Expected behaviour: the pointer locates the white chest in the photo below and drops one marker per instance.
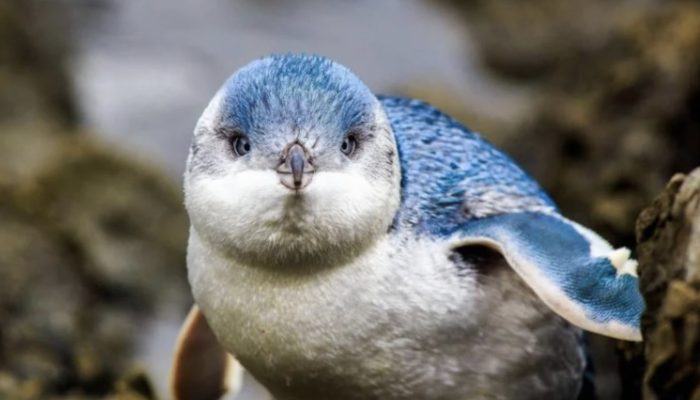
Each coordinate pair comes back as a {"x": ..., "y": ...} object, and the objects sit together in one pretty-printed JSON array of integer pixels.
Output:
[
  {"x": 391, "y": 324},
  {"x": 371, "y": 315}
]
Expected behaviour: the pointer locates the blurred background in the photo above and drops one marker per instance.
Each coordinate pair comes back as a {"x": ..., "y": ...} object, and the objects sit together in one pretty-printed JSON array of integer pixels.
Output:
[{"x": 599, "y": 100}]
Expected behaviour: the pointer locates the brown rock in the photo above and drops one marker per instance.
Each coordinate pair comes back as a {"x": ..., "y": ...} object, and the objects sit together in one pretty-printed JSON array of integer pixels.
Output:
[
  {"x": 667, "y": 364},
  {"x": 669, "y": 268}
]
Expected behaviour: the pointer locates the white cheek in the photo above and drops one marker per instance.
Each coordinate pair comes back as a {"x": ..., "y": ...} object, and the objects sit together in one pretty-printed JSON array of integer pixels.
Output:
[
  {"x": 234, "y": 204},
  {"x": 347, "y": 200},
  {"x": 251, "y": 211}
]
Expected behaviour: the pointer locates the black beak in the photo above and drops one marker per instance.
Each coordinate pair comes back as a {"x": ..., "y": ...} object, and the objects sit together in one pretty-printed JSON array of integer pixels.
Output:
[{"x": 295, "y": 169}]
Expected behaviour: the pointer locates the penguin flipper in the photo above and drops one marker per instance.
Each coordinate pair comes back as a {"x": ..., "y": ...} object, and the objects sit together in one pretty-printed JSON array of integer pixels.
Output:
[{"x": 202, "y": 369}]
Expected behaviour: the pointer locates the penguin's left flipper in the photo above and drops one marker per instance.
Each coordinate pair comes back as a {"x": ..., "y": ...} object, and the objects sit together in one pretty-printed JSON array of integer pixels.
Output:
[{"x": 202, "y": 369}]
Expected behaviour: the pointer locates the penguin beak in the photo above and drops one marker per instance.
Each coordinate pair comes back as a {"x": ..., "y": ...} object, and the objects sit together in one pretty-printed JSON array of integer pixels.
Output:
[{"x": 296, "y": 168}]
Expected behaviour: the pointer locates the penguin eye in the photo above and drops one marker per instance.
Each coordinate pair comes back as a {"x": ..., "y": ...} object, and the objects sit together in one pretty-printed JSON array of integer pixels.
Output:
[
  {"x": 240, "y": 145},
  {"x": 349, "y": 145}
]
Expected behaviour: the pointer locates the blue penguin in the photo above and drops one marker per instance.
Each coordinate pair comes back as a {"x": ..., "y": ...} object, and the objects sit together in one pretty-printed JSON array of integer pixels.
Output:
[{"x": 348, "y": 246}]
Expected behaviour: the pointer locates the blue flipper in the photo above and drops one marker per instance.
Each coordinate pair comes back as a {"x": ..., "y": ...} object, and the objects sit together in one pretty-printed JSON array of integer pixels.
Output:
[{"x": 574, "y": 271}]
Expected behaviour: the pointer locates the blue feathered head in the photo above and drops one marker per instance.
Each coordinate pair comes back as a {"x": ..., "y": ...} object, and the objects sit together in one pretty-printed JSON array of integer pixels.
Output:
[{"x": 299, "y": 93}]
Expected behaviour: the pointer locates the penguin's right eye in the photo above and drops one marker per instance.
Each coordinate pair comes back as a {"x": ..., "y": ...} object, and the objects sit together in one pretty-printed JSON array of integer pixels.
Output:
[{"x": 240, "y": 145}]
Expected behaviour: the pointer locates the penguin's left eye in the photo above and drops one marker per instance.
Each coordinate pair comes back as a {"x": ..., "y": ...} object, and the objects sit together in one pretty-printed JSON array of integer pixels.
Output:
[
  {"x": 349, "y": 145},
  {"x": 241, "y": 145}
]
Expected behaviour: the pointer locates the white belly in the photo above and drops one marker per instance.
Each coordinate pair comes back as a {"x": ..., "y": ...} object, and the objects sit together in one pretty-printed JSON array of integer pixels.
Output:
[{"x": 386, "y": 325}]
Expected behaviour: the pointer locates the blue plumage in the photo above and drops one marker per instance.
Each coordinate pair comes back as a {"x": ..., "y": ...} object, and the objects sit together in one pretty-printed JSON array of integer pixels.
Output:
[{"x": 451, "y": 175}]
